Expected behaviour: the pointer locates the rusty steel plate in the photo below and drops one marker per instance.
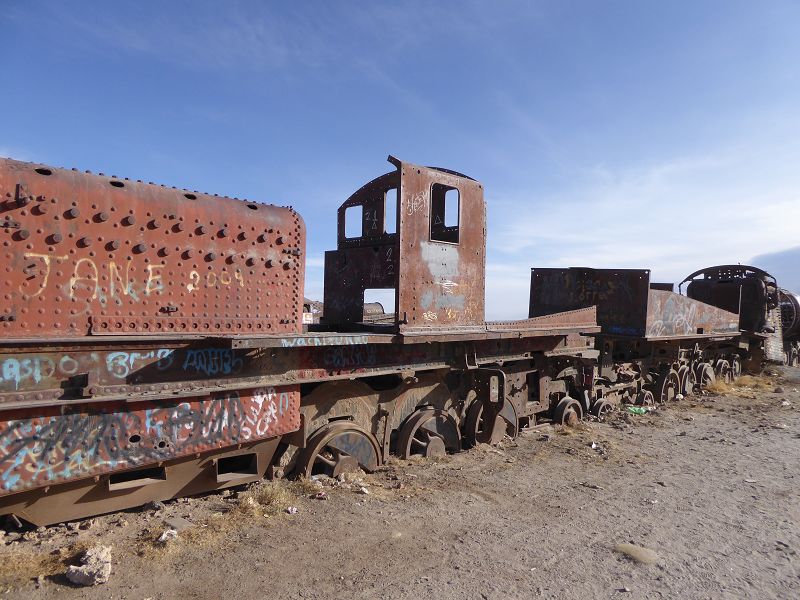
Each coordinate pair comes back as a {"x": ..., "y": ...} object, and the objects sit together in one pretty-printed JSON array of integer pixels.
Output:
[
  {"x": 56, "y": 445},
  {"x": 620, "y": 296},
  {"x": 93, "y": 254},
  {"x": 670, "y": 314},
  {"x": 582, "y": 318},
  {"x": 434, "y": 260}
]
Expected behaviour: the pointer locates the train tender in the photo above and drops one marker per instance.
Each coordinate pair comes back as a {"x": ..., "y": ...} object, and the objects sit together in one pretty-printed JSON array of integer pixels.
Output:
[{"x": 153, "y": 343}]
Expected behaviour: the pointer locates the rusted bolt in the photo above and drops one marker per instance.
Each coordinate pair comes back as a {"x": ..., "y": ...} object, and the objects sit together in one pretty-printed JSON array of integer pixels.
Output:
[
  {"x": 201, "y": 230},
  {"x": 93, "y": 391},
  {"x": 164, "y": 251},
  {"x": 269, "y": 262},
  {"x": 73, "y": 212},
  {"x": 211, "y": 256},
  {"x": 279, "y": 240},
  {"x": 139, "y": 248},
  {"x": 250, "y": 262},
  {"x": 85, "y": 242},
  {"x": 102, "y": 216},
  {"x": 24, "y": 234},
  {"x": 177, "y": 227},
  {"x": 155, "y": 224},
  {"x": 55, "y": 238},
  {"x": 289, "y": 264},
  {"x": 242, "y": 236},
  {"x": 223, "y": 232},
  {"x": 41, "y": 209},
  {"x": 231, "y": 259},
  {"x": 262, "y": 238},
  {"x": 187, "y": 254},
  {"x": 113, "y": 245},
  {"x": 23, "y": 201},
  {"x": 129, "y": 220}
]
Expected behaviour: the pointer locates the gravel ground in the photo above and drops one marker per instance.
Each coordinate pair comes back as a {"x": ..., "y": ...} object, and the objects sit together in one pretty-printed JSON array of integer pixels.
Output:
[{"x": 709, "y": 485}]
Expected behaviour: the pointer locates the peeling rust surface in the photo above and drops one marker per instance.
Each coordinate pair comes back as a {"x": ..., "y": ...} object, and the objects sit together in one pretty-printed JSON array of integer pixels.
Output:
[{"x": 88, "y": 254}]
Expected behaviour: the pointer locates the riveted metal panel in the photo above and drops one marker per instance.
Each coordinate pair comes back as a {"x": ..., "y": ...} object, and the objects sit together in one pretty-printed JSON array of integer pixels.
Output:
[{"x": 134, "y": 258}]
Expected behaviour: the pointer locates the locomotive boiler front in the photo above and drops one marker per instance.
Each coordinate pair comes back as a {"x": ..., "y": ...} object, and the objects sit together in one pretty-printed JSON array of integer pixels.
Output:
[{"x": 790, "y": 313}]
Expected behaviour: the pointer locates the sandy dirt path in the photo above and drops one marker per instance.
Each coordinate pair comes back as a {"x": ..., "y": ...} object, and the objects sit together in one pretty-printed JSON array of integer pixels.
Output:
[{"x": 710, "y": 484}]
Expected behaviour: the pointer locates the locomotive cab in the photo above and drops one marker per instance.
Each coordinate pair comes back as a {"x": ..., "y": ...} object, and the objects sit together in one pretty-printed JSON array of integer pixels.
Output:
[{"x": 420, "y": 232}]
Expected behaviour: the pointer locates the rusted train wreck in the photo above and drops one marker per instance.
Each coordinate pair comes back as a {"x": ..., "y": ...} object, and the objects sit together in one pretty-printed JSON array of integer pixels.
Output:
[{"x": 153, "y": 343}]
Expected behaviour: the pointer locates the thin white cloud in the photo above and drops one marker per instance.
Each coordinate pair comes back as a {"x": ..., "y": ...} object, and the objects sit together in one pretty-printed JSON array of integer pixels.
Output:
[{"x": 672, "y": 217}]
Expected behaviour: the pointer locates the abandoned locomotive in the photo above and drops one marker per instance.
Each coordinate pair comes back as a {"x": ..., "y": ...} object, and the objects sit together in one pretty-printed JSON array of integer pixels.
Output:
[{"x": 153, "y": 343}]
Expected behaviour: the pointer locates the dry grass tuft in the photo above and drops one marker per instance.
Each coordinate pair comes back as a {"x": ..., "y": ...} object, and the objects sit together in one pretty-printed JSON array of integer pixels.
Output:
[
  {"x": 304, "y": 487},
  {"x": 265, "y": 499},
  {"x": 718, "y": 387},
  {"x": 743, "y": 385},
  {"x": 20, "y": 566},
  {"x": 578, "y": 428},
  {"x": 756, "y": 382},
  {"x": 262, "y": 500}
]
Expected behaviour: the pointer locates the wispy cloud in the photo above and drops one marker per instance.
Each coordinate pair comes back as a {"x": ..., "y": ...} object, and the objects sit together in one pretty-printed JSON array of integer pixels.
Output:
[
  {"x": 241, "y": 37},
  {"x": 672, "y": 216}
]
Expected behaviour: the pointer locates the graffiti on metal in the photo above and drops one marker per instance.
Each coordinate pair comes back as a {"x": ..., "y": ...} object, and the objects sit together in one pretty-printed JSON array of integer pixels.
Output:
[
  {"x": 332, "y": 340},
  {"x": 38, "y": 450},
  {"x": 670, "y": 314}
]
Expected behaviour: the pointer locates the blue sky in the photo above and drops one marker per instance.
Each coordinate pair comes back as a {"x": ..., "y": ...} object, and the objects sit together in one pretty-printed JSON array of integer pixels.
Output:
[{"x": 629, "y": 134}]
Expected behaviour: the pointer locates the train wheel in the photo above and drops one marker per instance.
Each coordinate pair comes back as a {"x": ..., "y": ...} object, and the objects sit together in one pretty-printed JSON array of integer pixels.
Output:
[
  {"x": 429, "y": 432},
  {"x": 337, "y": 448},
  {"x": 601, "y": 408},
  {"x": 645, "y": 398},
  {"x": 736, "y": 366},
  {"x": 794, "y": 358},
  {"x": 489, "y": 427},
  {"x": 667, "y": 387},
  {"x": 567, "y": 412},
  {"x": 688, "y": 380},
  {"x": 723, "y": 371},
  {"x": 705, "y": 375}
]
